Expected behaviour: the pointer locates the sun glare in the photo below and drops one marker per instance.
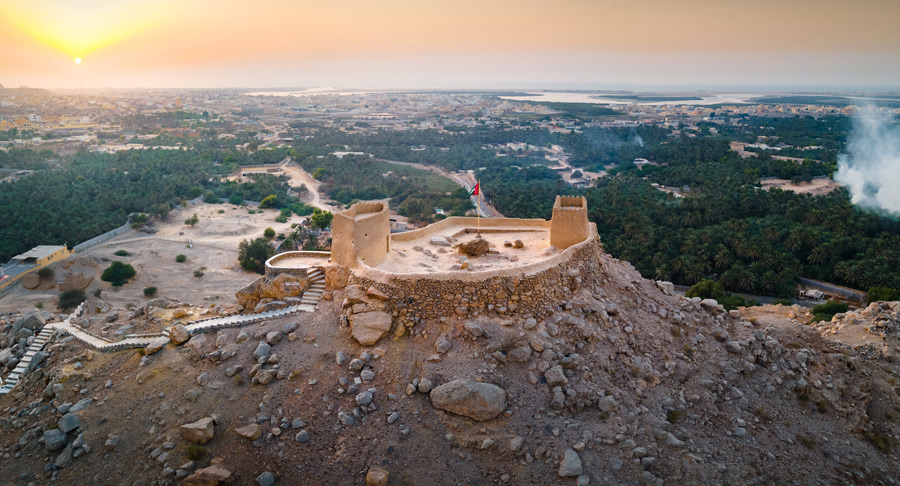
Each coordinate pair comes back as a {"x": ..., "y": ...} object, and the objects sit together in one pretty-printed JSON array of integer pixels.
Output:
[
  {"x": 76, "y": 30},
  {"x": 77, "y": 60}
]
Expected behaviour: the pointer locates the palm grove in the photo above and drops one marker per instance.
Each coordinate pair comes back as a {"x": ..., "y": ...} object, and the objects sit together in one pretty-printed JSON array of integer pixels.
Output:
[{"x": 725, "y": 227}]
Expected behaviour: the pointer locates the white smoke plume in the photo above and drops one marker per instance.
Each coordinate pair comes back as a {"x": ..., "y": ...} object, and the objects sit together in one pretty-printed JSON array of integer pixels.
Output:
[{"x": 871, "y": 165}]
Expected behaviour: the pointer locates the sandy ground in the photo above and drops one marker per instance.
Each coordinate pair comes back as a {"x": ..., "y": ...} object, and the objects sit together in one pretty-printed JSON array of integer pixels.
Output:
[
  {"x": 816, "y": 187},
  {"x": 790, "y": 318},
  {"x": 215, "y": 248},
  {"x": 536, "y": 244}
]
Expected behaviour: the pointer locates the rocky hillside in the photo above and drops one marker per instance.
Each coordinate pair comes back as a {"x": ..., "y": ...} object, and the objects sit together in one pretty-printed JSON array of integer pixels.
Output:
[{"x": 626, "y": 383}]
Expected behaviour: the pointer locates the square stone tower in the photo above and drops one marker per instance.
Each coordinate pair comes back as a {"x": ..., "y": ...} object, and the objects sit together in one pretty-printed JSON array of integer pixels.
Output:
[
  {"x": 569, "y": 224},
  {"x": 361, "y": 233}
]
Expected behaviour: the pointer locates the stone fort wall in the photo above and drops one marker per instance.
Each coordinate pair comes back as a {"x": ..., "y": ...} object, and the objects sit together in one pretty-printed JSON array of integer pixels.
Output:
[{"x": 533, "y": 289}]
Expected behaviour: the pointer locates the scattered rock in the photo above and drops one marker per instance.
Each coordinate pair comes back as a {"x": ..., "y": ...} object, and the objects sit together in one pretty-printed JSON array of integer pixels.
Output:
[
  {"x": 570, "y": 464},
  {"x": 54, "y": 439},
  {"x": 479, "y": 401},
  {"x": 265, "y": 479},
  {"x": 377, "y": 477},
  {"x": 555, "y": 376},
  {"x": 199, "y": 432},
  {"x": 263, "y": 350},
  {"x": 252, "y": 431},
  {"x": 68, "y": 423},
  {"x": 209, "y": 476},
  {"x": 369, "y": 327}
]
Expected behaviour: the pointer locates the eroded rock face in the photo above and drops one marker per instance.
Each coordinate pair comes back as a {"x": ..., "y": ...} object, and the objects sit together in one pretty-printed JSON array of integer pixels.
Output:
[
  {"x": 369, "y": 327},
  {"x": 199, "y": 432},
  {"x": 479, "y": 401}
]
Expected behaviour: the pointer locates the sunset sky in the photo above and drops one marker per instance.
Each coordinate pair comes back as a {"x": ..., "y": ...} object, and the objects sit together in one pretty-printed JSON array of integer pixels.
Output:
[{"x": 451, "y": 44}]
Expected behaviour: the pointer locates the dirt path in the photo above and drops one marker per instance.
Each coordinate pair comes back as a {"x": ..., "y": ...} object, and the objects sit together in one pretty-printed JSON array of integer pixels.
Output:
[
  {"x": 299, "y": 176},
  {"x": 465, "y": 181}
]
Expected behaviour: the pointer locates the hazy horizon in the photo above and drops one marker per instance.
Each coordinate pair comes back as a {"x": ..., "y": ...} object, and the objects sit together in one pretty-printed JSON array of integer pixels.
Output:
[{"x": 401, "y": 44}]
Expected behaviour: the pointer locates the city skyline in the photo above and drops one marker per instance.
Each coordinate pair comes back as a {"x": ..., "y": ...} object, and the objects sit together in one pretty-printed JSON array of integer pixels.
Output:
[{"x": 572, "y": 44}]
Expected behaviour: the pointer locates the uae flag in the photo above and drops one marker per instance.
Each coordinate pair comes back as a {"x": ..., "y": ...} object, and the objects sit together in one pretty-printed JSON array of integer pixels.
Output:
[{"x": 474, "y": 191}]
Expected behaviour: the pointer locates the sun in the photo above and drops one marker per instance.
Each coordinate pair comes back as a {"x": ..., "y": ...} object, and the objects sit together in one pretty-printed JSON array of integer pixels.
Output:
[{"x": 77, "y": 60}]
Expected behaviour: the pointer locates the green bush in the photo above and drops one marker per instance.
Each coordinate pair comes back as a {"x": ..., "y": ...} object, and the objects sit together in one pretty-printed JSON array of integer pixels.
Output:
[
  {"x": 321, "y": 219},
  {"x": 46, "y": 273},
  {"x": 882, "y": 294},
  {"x": 253, "y": 254},
  {"x": 281, "y": 219},
  {"x": 198, "y": 273},
  {"x": 236, "y": 199},
  {"x": 118, "y": 273},
  {"x": 149, "y": 291},
  {"x": 70, "y": 299},
  {"x": 121, "y": 253},
  {"x": 195, "y": 452},
  {"x": 302, "y": 209},
  {"x": 268, "y": 201},
  {"x": 269, "y": 233},
  {"x": 181, "y": 258},
  {"x": 710, "y": 289},
  {"x": 824, "y": 312}
]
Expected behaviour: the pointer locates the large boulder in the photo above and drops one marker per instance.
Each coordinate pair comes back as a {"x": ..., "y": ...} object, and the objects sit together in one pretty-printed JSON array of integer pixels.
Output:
[
  {"x": 34, "y": 321},
  {"x": 474, "y": 248},
  {"x": 283, "y": 285},
  {"x": 248, "y": 295},
  {"x": 336, "y": 277},
  {"x": 369, "y": 327},
  {"x": 479, "y": 401},
  {"x": 31, "y": 281},
  {"x": 199, "y": 432},
  {"x": 179, "y": 334},
  {"x": 75, "y": 281}
]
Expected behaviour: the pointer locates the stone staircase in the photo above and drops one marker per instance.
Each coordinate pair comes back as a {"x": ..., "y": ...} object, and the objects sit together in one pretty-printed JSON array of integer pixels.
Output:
[
  {"x": 308, "y": 303},
  {"x": 313, "y": 294},
  {"x": 38, "y": 344},
  {"x": 215, "y": 323}
]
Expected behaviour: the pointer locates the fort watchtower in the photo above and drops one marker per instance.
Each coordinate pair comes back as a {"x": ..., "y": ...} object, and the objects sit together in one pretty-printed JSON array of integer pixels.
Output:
[
  {"x": 361, "y": 234},
  {"x": 569, "y": 224}
]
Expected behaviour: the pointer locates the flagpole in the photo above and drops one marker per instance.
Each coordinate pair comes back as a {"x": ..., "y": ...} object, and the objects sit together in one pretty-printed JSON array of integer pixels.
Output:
[{"x": 478, "y": 206}]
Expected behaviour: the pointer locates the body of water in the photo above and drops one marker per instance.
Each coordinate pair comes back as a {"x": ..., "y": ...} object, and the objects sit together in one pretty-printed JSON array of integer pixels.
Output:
[{"x": 597, "y": 98}]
